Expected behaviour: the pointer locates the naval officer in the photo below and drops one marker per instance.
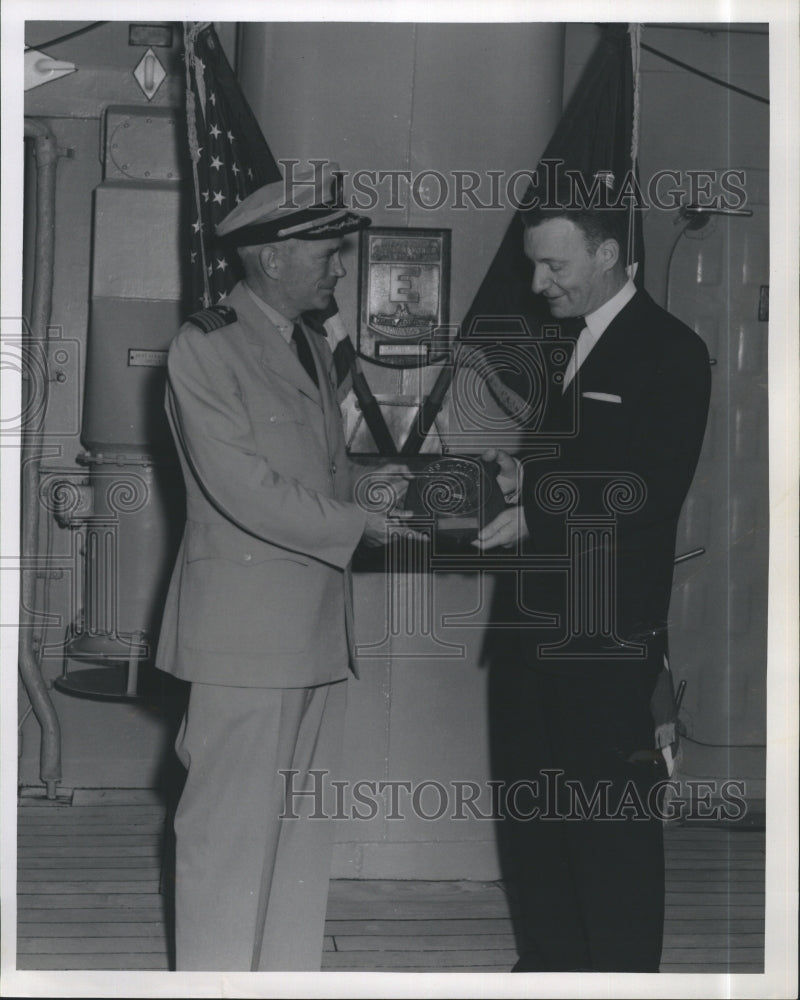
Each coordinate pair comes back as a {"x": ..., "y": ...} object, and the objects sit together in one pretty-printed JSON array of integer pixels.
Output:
[{"x": 259, "y": 614}]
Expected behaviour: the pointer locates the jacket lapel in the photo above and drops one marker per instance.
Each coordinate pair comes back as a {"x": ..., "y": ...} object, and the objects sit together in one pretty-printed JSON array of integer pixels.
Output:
[
  {"x": 621, "y": 343},
  {"x": 559, "y": 402},
  {"x": 271, "y": 350},
  {"x": 326, "y": 392}
]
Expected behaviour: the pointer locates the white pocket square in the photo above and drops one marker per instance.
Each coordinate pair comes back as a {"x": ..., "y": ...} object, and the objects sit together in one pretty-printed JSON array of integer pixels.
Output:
[{"x": 604, "y": 397}]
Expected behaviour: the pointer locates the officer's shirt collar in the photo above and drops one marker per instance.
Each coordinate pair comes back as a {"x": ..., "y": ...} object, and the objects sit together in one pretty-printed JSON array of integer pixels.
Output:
[{"x": 283, "y": 325}]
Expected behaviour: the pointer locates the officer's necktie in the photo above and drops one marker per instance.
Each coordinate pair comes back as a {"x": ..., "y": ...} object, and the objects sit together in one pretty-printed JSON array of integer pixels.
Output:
[
  {"x": 576, "y": 327},
  {"x": 304, "y": 353}
]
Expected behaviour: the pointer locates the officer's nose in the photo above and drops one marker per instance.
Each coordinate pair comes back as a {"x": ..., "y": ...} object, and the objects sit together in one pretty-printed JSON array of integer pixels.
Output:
[{"x": 338, "y": 267}]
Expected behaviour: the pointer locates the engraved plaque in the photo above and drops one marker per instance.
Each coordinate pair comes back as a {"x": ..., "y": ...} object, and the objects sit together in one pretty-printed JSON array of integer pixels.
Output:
[
  {"x": 459, "y": 493},
  {"x": 404, "y": 296}
]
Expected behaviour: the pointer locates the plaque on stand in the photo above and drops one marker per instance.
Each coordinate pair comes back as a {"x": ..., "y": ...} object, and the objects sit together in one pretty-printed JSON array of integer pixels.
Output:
[
  {"x": 404, "y": 296},
  {"x": 458, "y": 493}
]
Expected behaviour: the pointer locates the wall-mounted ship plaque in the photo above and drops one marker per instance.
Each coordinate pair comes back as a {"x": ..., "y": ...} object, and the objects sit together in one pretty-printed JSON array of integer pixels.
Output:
[{"x": 404, "y": 296}]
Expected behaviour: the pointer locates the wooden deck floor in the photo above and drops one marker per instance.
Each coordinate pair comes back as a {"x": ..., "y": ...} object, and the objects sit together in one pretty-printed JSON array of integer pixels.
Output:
[{"x": 88, "y": 898}]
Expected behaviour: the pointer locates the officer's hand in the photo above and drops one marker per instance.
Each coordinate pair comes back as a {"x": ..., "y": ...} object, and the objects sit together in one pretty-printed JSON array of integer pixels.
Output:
[
  {"x": 376, "y": 530},
  {"x": 399, "y": 475},
  {"x": 509, "y": 477},
  {"x": 505, "y": 530}
]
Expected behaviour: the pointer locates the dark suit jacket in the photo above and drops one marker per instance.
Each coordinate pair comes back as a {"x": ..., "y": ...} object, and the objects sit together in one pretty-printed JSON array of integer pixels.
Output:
[{"x": 639, "y": 402}]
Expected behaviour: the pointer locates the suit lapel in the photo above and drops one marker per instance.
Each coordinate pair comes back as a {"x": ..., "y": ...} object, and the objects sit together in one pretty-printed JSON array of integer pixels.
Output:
[
  {"x": 558, "y": 407},
  {"x": 559, "y": 403},
  {"x": 622, "y": 342},
  {"x": 615, "y": 355},
  {"x": 271, "y": 350},
  {"x": 325, "y": 391}
]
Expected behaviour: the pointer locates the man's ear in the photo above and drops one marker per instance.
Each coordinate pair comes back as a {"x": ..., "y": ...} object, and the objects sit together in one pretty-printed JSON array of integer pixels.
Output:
[
  {"x": 608, "y": 251},
  {"x": 269, "y": 259}
]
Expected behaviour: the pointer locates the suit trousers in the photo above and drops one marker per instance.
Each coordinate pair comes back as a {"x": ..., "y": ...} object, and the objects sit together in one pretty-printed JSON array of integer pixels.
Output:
[
  {"x": 582, "y": 828},
  {"x": 253, "y": 853}
]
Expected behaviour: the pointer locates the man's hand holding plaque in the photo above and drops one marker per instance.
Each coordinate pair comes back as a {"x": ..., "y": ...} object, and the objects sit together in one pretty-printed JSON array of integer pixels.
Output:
[
  {"x": 460, "y": 494},
  {"x": 509, "y": 528}
]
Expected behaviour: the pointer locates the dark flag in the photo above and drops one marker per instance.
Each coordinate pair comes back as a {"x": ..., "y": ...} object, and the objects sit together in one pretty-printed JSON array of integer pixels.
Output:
[{"x": 595, "y": 141}]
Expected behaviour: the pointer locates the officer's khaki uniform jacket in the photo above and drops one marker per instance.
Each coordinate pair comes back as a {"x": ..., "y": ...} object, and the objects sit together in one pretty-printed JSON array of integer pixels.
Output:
[{"x": 261, "y": 593}]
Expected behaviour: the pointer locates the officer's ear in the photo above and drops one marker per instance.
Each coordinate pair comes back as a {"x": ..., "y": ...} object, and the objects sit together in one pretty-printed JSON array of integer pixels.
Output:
[{"x": 269, "y": 260}]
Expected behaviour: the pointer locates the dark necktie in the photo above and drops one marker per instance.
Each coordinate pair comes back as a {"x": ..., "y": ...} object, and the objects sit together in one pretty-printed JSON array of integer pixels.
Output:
[
  {"x": 572, "y": 326},
  {"x": 304, "y": 353}
]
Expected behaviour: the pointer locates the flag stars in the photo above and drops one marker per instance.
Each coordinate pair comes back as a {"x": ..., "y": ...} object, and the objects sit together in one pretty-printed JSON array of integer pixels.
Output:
[
  {"x": 221, "y": 264},
  {"x": 206, "y": 195},
  {"x": 235, "y": 170},
  {"x": 250, "y": 173},
  {"x": 219, "y": 197},
  {"x": 216, "y": 163},
  {"x": 215, "y": 131},
  {"x": 230, "y": 136},
  {"x": 212, "y": 98},
  {"x": 197, "y": 225}
]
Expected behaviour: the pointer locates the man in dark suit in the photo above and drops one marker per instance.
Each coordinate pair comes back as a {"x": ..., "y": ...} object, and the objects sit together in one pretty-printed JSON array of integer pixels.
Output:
[
  {"x": 259, "y": 614},
  {"x": 627, "y": 419}
]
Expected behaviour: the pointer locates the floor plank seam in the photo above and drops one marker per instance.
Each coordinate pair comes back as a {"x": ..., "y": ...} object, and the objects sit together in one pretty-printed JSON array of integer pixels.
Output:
[{"x": 89, "y": 876}]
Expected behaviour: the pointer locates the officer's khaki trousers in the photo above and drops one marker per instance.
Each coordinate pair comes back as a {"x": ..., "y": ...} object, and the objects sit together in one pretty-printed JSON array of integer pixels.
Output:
[{"x": 251, "y": 887}]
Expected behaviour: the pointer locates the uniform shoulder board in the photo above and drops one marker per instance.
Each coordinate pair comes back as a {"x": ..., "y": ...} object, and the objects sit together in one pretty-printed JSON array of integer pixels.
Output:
[{"x": 213, "y": 318}]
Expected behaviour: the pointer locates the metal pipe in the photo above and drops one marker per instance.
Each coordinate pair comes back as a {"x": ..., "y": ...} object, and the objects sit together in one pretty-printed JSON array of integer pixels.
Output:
[{"x": 30, "y": 669}]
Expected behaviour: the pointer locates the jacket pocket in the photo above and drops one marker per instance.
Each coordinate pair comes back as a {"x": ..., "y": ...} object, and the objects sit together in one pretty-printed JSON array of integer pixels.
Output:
[
  {"x": 226, "y": 541},
  {"x": 248, "y": 609}
]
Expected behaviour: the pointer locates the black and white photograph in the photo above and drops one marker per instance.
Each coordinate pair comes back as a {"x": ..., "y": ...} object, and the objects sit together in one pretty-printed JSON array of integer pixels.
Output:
[{"x": 399, "y": 499}]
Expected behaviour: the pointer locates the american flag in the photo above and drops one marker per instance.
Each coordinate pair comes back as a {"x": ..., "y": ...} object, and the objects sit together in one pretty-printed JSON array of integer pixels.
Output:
[{"x": 229, "y": 160}]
